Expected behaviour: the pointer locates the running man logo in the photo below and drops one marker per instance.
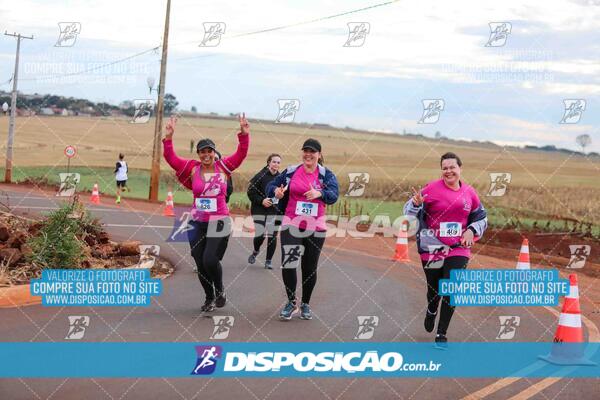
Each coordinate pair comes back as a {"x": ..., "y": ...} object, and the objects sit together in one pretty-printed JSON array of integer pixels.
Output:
[
  {"x": 508, "y": 326},
  {"x": 579, "y": 255},
  {"x": 143, "y": 111},
  {"x": 437, "y": 254},
  {"x": 499, "y": 182},
  {"x": 574, "y": 109},
  {"x": 77, "y": 326},
  {"x": 212, "y": 183},
  {"x": 148, "y": 254},
  {"x": 358, "y": 183},
  {"x": 499, "y": 32},
  {"x": 357, "y": 33},
  {"x": 181, "y": 226},
  {"x": 223, "y": 325},
  {"x": 291, "y": 255},
  {"x": 68, "y": 184},
  {"x": 68, "y": 34},
  {"x": 432, "y": 109},
  {"x": 287, "y": 110},
  {"x": 366, "y": 326},
  {"x": 212, "y": 34},
  {"x": 207, "y": 359}
]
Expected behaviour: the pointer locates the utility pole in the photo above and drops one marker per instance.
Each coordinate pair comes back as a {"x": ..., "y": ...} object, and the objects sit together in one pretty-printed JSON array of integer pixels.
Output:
[
  {"x": 156, "y": 150},
  {"x": 13, "y": 109}
]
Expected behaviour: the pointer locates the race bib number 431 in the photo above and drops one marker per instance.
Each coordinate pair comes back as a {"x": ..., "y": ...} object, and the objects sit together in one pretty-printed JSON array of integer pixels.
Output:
[{"x": 307, "y": 208}]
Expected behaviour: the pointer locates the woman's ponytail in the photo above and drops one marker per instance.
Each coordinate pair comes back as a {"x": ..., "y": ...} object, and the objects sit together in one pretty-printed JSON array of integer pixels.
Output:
[{"x": 321, "y": 159}]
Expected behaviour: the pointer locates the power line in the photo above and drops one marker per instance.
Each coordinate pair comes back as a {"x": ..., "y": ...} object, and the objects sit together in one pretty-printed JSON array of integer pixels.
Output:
[
  {"x": 6, "y": 82},
  {"x": 277, "y": 28}
]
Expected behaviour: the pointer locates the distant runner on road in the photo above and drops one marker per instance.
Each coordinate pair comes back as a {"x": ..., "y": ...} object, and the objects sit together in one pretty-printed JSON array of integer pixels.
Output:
[
  {"x": 121, "y": 176},
  {"x": 451, "y": 218}
]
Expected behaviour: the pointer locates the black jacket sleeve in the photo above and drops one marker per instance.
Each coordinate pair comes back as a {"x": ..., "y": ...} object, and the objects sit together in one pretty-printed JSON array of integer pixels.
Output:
[{"x": 254, "y": 192}]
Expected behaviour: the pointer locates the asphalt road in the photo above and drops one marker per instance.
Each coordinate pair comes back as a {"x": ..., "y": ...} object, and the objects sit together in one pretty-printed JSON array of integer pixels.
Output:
[{"x": 350, "y": 284}]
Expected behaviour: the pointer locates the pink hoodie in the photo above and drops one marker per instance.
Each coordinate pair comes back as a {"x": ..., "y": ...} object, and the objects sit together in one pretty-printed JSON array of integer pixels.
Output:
[{"x": 215, "y": 187}]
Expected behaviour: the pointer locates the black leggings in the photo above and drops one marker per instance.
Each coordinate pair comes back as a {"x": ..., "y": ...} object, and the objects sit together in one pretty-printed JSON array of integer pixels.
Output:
[
  {"x": 208, "y": 250},
  {"x": 313, "y": 243},
  {"x": 433, "y": 276},
  {"x": 265, "y": 227}
]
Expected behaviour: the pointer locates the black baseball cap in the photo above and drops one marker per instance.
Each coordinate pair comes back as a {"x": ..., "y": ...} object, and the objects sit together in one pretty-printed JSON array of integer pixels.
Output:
[
  {"x": 312, "y": 144},
  {"x": 204, "y": 143}
]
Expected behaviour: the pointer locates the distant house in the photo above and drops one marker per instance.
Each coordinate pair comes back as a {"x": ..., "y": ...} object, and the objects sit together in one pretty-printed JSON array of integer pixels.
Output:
[
  {"x": 46, "y": 111},
  {"x": 25, "y": 112}
]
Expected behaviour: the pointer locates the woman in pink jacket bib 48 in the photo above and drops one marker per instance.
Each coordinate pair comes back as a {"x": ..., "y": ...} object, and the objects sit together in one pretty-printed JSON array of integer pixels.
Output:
[
  {"x": 451, "y": 218},
  {"x": 211, "y": 224}
]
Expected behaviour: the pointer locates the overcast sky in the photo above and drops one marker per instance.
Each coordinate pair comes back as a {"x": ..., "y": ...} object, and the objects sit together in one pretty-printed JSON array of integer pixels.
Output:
[{"x": 414, "y": 50}]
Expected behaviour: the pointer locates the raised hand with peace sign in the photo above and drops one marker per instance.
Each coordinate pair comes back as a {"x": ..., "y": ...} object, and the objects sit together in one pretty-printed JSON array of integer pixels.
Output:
[
  {"x": 418, "y": 198},
  {"x": 244, "y": 125},
  {"x": 170, "y": 128}
]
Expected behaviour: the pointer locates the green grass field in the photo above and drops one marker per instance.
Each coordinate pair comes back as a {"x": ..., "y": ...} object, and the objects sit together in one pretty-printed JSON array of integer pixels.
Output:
[
  {"x": 545, "y": 186},
  {"x": 139, "y": 180}
]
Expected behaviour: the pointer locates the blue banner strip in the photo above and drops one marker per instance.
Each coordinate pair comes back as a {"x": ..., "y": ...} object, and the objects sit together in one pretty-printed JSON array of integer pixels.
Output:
[{"x": 327, "y": 360}]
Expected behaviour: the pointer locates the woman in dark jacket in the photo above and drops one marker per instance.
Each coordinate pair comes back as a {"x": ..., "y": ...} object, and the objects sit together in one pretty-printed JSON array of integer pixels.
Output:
[{"x": 264, "y": 209}]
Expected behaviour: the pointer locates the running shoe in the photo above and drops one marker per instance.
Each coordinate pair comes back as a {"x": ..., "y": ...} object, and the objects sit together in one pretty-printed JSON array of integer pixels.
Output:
[
  {"x": 268, "y": 264},
  {"x": 429, "y": 321},
  {"x": 441, "y": 341},
  {"x": 221, "y": 300},
  {"x": 288, "y": 311},
  {"x": 252, "y": 258},
  {"x": 209, "y": 305},
  {"x": 305, "y": 312},
  {"x": 118, "y": 201}
]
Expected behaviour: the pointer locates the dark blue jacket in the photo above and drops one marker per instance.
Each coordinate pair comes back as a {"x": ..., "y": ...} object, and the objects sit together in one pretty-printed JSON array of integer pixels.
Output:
[{"x": 328, "y": 181}]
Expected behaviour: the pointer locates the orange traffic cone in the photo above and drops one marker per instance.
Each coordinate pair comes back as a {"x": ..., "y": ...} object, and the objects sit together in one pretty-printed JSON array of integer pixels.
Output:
[
  {"x": 95, "y": 195},
  {"x": 401, "y": 253},
  {"x": 168, "y": 211},
  {"x": 523, "y": 262},
  {"x": 568, "y": 344}
]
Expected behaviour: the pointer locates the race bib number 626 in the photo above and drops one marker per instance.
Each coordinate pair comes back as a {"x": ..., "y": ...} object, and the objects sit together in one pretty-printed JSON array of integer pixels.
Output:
[{"x": 206, "y": 204}]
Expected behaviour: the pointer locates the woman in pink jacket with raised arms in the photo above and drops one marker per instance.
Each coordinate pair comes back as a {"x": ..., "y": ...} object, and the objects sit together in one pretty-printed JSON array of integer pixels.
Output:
[{"x": 210, "y": 223}]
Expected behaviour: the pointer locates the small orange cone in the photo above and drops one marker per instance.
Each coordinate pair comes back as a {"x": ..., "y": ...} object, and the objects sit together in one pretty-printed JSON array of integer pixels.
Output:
[
  {"x": 168, "y": 211},
  {"x": 568, "y": 347},
  {"x": 95, "y": 195},
  {"x": 523, "y": 262},
  {"x": 401, "y": 253}
]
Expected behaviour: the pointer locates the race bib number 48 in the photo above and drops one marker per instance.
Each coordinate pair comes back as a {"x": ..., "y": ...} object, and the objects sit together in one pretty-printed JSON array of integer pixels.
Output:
[
  {"x": 307, "y": 208},
  {"x": 206, "y": 204},
  {"x": 450, "y": 229}
]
